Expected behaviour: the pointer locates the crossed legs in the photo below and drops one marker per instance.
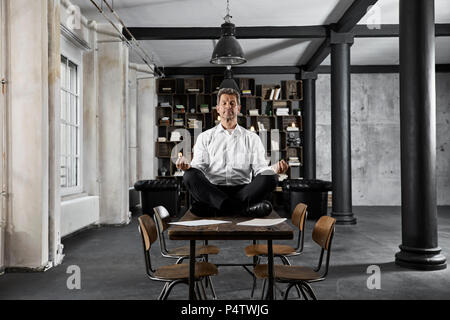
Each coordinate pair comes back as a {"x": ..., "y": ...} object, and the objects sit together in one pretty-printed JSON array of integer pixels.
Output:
[{"x": 215, "y": 200}]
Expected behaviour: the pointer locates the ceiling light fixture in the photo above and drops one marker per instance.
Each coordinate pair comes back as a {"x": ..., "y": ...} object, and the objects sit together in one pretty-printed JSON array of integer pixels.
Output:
[
  {"x": 228, "y": 51},
  {"x": 228, "y": 81}
]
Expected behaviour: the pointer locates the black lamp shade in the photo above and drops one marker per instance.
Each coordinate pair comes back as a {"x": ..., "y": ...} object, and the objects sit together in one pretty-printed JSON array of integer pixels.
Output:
[{"x": 228, "y": 51}]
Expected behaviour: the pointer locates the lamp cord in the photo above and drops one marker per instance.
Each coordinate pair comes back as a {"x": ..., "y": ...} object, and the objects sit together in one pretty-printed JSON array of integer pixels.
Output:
[{"x": 228, "y": 16}]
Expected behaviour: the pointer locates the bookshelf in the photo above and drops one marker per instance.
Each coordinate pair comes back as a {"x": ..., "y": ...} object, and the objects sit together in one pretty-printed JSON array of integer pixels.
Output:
[{"x": 190, "y": 102}]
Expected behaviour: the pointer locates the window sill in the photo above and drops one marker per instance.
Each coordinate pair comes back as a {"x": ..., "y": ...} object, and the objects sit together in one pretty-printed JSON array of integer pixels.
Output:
[{"x": 69, "y": 197}]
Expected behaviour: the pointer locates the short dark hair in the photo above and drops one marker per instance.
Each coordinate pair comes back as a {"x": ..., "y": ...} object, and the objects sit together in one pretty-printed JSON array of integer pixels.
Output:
[{"x": 229, "y": 91}]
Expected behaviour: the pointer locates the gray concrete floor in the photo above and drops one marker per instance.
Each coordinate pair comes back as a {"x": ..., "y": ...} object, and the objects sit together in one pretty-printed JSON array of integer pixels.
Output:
[{"x": 112, "y": 265}]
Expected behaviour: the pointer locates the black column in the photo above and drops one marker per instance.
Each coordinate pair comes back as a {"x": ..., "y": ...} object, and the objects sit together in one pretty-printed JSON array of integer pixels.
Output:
[
  {"x": 309, "y": 124},
  {"x": 341, "y": 168},
  {"x": 419, "y": 248}
]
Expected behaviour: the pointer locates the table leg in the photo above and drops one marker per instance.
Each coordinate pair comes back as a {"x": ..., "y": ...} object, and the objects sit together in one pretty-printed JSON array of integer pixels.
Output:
[
  {"x": 270, "y": 267},
  {"x": 192, "y": 270}
]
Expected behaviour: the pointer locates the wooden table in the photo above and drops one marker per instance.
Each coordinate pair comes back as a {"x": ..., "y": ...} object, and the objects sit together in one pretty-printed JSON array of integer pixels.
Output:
[{"x": 230, "y": 231}]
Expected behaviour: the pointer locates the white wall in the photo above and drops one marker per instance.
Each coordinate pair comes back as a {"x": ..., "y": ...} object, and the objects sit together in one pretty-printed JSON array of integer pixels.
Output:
[{"x": 27, "y": 219}]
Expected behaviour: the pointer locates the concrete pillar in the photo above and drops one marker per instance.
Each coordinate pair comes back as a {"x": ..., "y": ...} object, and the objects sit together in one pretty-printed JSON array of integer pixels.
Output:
[
  {"x": 132, "y": 124},
  {"x": 419, "y": 248},
  {"x": 27, "y": 234},
  {"x": 3, "y": 134},
  {"x": 147, "y": 131},
  {"x": 54, "y": 106},
  {"x": 90, "y": 117},
  {"x": 341, "y": 128},
  {"x": 113, "y": 148},
  {"x": 309, "y": 124}
]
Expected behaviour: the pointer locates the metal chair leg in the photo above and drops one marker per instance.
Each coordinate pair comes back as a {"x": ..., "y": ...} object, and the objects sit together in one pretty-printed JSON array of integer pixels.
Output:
[
  {"x": 205, "y": 297},
  {"x": 256, "y": 261},
  {"x": 263, "y": 289},
  {"x": 163, "y": 291},
  {"x": 197, "y": 291},
  {"x": 309, "y": 290},
  {"x": 213, "y": 291},
  {"x": 170, "y": 287},
  {"x": 286, "y": 294}
]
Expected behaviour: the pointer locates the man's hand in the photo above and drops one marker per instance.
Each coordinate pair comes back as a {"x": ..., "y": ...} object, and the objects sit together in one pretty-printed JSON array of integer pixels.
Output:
[
  {"x": 182, "y": 164},
  {"x": 280, "y": 167}
]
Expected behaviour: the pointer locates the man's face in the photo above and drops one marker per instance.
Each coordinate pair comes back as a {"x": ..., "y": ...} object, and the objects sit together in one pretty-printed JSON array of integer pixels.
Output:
[{"x": 228, "y": 107}]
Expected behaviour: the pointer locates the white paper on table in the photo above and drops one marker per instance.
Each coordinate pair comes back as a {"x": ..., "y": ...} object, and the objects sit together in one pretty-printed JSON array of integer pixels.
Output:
[
  {"x": 261, "y": 222},
  {"x": 202, "y": 222}
]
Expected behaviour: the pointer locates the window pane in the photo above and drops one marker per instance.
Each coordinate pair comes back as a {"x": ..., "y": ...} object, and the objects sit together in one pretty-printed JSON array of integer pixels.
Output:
[
  {"x": 73, "y": 78},
  {"x": 63, "y": 105},
  {"x": 63, "y": 72},
  {"x": 73, "y": 109},
  {"x": 70, "y": 122},
  {"x": 63, "y": 140}
]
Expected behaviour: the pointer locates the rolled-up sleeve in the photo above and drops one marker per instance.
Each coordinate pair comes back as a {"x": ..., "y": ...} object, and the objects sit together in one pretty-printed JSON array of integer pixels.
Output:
[
  {"x": 259, "y": 162},
  {"x": 201, "y": 156}
]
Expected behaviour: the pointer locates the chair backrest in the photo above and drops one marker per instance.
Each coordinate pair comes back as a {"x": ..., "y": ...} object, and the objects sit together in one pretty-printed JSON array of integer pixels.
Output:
[
  {"x": 162, "y": 217},
  {"x": 323, "y": 235},
  {"x": 299, "y": 216},
  {"x": 323, "y": 231},
  {"x": 148, "y": 231}
]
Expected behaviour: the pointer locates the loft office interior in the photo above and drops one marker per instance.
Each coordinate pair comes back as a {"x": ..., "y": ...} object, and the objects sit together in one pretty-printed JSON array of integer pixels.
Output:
[{"x": 92, "y": 90}]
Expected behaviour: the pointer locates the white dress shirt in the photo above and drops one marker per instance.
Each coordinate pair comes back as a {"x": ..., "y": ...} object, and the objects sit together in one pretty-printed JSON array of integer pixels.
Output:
[{"x": 230, "y": 158}]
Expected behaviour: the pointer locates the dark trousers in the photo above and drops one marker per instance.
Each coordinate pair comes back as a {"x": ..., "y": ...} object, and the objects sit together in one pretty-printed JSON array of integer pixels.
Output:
[{"x": 215, "y": 200}]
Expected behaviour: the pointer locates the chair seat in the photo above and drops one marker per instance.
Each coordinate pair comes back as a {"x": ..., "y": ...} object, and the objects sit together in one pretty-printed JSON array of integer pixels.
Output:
[
  {"x": 261, "y": 250},
  {"x": 199, "y": 250},
  {"x": 284, "y": 272},
  {"x": 181, "y": 271}
]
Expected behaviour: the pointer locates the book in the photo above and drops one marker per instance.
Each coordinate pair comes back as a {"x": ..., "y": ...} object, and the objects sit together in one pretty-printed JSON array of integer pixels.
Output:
[
  {"x": 272, "y": 93},
  {"x": 193, "y": 90},
  {"x": 246, "y": 92},
  {"x": 164, "y": 104},
  {"x": 254, "y": 112},
  {"x": 175, "y": 136},
  {"x": 282, "y": 111},
  {"x": 276, "y": 94},
  {"x": 280, "y": 104},
  {"x": 204, "y": 108}
]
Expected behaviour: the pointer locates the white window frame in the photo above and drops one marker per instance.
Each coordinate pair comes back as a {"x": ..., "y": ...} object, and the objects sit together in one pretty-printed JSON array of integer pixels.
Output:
[{"x": 74, "y": 55}]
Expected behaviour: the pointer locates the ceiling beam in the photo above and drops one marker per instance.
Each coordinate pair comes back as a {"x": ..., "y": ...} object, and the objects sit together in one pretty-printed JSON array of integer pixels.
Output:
[
  {"x": 184, "y": 71},
  {"x": 298, "y": 32},
  {"x": 354, "y": 13},
  {"x": 294, "y": 32},
  {"x": 347, "y": 22},
  {"x": 392, "y": 31}
]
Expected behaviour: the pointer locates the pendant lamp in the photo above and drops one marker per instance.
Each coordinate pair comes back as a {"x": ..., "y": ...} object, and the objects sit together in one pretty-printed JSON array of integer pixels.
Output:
[{"x": 228, "y": 51}]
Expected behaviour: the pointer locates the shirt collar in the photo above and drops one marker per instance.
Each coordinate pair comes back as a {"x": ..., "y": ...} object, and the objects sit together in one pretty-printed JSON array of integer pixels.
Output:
[{"x": 237, "y": 130}]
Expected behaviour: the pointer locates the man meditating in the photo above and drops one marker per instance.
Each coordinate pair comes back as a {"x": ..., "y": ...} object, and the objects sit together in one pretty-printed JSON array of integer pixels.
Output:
[{"x": 229, "y": 174}]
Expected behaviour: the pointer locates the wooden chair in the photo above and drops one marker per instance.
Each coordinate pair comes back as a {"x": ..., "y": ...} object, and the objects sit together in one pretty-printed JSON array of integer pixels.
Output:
[
  {"x": 302, "y": 276},
  {"x": 282, "y": 251},
  {"x": 162, "y": 218},
  {"x": 172, "y": 274}
]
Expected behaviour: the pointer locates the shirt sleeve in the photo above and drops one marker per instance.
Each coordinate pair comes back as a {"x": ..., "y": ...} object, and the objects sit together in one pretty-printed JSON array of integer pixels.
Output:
[
  {"x": 201, "y": 156},
  {"x": 259, "y": 162}
]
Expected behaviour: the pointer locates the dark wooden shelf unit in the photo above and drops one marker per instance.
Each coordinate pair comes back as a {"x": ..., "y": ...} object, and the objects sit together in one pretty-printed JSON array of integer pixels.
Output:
[
  {"x": 194, "y": 85},
  {"x": 167, "y": 86},
  {"x": 292, "y": 89},
  {"x": 290, "y": 97}
]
